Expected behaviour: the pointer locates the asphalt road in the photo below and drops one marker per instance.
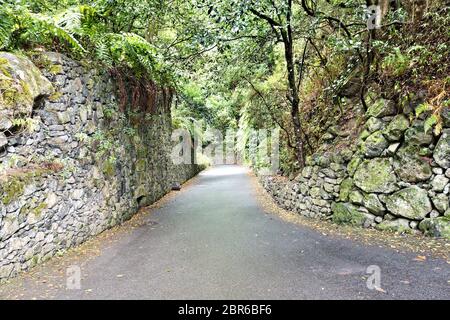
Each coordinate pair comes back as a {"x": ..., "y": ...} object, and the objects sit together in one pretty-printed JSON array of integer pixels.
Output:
[{"x": 214, "y": 241}]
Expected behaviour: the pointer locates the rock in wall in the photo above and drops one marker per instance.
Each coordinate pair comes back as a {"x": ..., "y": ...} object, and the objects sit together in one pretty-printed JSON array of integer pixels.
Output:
[
  {"x": 396, "y": 177},
  {"x": 73, "y": 165}
]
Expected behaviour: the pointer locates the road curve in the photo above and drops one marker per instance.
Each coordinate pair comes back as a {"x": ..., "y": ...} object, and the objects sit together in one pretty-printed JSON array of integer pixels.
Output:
[{"x": 214, "y": 241}]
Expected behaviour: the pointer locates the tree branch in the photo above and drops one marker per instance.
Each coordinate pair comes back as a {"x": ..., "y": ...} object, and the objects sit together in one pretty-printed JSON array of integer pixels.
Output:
[{"x": 274, "y": 119}]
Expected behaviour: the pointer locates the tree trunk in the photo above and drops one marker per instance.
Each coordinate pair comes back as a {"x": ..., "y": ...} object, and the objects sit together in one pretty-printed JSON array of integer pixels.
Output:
[
  {"x": 293, "y": 98},
  {"x": 298, "y": 134}
]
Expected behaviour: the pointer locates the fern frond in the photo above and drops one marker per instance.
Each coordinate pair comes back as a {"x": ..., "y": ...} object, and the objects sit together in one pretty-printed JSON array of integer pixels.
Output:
[
  {"x": 44, "y": 26},
  {"x": 6, "y": 27}
]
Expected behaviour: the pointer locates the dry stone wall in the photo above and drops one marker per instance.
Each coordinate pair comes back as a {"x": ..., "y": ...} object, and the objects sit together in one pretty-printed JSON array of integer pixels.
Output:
[
  {"x": 72, "y": 165},
  {"x": 396, "y": 177}
]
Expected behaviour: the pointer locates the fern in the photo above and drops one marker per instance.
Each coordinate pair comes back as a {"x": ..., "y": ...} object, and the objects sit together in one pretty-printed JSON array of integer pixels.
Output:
[
  {"x": 19, "y": 26},
  {"x": 76, "y": 28},
  {"x": 6, "y": 26},
  {"x": 430, "y": 122},
  {"x": 129, "y": 50},
  {"x": 46, "y": 27}
]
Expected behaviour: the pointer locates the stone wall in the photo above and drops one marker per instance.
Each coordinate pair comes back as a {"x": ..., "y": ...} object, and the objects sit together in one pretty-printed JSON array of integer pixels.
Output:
[
  {"x": 395, "y": 177},
  {"x": 73, "y": 165}
]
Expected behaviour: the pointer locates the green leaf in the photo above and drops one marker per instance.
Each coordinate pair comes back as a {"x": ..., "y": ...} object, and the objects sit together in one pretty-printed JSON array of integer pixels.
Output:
[
  {"x": 422, "y": 108},
  {"x": 430, "y": 122}
]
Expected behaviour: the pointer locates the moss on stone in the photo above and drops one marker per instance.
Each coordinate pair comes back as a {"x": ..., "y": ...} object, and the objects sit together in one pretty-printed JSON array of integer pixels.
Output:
[
  {"x": 375, "y": 175},
  {"x": 346, "y": 213},
  {"x": 345, "y": 188},
  {"x": 12, "y": 190},
  {"x": 436, "y": 227},
  {"x": 34, "y": 260},
  {"x": 411, "y": 202},
  {"x": 20, "y": 83},
  {"x": 109, "y": 168},
  {"x": 3, "y": 68},
  {"x": 55, "y": 96},
  {"x": 396, "y": 128},
  {"x": 15, "y": 92},
  {"x": 374, "y": 145},
  {"x": 141, "y": 165},
  {"x": 353, "y": 165},
  {"x": 13, "y": 186},
  {"x": 55, "y": 69},
  {"x": 38, "y": 210},
  {"x": 394, "y": 226}
]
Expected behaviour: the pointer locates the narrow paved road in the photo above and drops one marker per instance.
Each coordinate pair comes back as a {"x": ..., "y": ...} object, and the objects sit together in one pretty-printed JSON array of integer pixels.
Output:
[{"x": 213, "y": 241}]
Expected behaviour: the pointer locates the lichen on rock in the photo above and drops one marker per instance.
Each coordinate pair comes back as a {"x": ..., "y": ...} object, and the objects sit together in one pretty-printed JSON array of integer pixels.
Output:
[
  {"x": 436, "y": 227},
  {"x": 395, "y": 129},
  {"x": 347, "y": 213},
  {"x": 381, "y": 108},
  {"x": 410, "y": 167},
  {"x": 21, "y": 82},
  {"x": 374, "y": 145},
  {"x": 373, "y": 204},
  {"x": 442, "y": 150},
  {"x": 399, "y": 225},
  {"x": 412, "y": 203},
  {"x": 376, "y": 175}
]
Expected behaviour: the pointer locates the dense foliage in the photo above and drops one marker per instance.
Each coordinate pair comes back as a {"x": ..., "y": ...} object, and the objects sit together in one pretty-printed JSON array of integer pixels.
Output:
[{"x": 249, "y": 64}]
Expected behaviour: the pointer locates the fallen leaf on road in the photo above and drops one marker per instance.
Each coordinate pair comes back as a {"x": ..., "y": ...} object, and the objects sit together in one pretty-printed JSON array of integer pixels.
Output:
[
  {"x": 420, "y": 258},
  {"x": 380, "y": 289}
]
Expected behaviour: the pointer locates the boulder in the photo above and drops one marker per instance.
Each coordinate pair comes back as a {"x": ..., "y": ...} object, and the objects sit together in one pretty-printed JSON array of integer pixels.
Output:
[
  {"x": 373, "y": 204},
  {"x": 376, "y": 175},
  {"x": 395, "y": 129},
  {"x": 439, "y": 182},
  {"x": 363, "y": 135},
  {"x": 24, "y": 82},
  {"x": 417, "y": 136},
  {"x": 3, "y": 140},
  {"x": 346, "y": 154},
  {"x": 442, "y": 151},
  {"x": 436, "y": 227},
  {"x": 392, "y": 149},
  {"x": 412, "y": 203},
  {"x": 5, "y": 124},
  {"x": 344, "y": 190},
  {"x": 353, "y": 165},
  {"x": 51, "y": 201},
  {"x": 441, "y": 202},
  {"x": 445, "y": 116},
  {"x": 355, "y": 197},
  {"x": 347, "y": 213},
  {"x": 399, "y": 225},
  {"x": 63, "y": 117},
  {"x": 374, "y": 124},
  {"x": 307, "y": 172},
  {"x": 381, "y": 108},
  {"x": 374, "y": 145},
  {"x": 410, "y": 167}
]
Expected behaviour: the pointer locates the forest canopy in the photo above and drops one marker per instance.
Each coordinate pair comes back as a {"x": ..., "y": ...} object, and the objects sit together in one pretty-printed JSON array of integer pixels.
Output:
[{"x": 301, "y": 66}]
